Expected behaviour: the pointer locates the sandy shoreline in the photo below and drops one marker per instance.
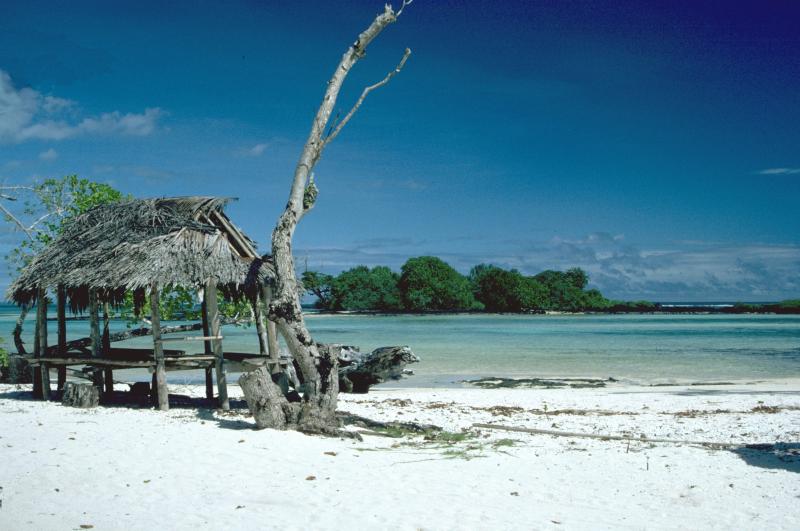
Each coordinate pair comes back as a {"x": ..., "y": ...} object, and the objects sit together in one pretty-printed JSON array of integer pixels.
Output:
[{"x": 128, "y": 468}]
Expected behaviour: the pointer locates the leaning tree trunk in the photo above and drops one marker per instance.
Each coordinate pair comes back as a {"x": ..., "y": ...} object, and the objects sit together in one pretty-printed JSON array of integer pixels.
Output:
[
  {"x": 23, "y": 312},
  {"x": 316, "y": 412}
]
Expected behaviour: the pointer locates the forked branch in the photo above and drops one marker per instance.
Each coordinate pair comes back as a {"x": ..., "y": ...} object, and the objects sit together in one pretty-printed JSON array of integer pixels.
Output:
[{"x": 364, "y": 94}]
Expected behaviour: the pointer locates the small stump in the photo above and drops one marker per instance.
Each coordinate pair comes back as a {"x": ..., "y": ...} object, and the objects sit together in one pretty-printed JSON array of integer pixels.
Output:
[
  {"x": 81, "y": 395},
  {"x": 18, "y": 370}
]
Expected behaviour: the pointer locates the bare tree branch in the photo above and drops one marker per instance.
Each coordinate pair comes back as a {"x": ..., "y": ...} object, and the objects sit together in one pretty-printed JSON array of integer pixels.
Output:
[
  {"x": 364, "y": 94},
  {"x": 402, "y": 7},
  {"x": 45, "y": 216},
  {"x": 27, "y": 230},
  {"x": 7, "y": 187}
]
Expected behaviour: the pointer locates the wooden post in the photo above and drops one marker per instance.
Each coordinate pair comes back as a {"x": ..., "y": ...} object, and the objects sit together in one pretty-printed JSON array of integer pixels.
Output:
[
  {"x": 106, "y": 341},
  {"x": 158, "y": 350},
  {"x": 94, "y": 326},
  {"x": 272, "y": 332},
  {"x": 207, "y": 350},
  {"x": 37, "y": 374},
  {"x": 210, "y": 295},
  {"x": 61, "y": 310},
  {"x": 41, "y": 318},
  {"x": 153, "y": 389}
]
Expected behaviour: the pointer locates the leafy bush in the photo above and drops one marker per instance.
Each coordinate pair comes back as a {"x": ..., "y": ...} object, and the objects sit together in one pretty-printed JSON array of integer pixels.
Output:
[{"x": 429, "y": 283}]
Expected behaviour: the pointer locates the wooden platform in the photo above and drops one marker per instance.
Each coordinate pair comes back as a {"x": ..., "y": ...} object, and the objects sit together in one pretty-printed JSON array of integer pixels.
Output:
[{"x": 133, "y": 358}]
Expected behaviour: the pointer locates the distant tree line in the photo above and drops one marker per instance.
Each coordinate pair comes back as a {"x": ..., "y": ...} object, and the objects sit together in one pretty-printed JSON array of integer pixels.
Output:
[
  {"x": 427, "y": 283},
  {"x": 787, "y": 306}
]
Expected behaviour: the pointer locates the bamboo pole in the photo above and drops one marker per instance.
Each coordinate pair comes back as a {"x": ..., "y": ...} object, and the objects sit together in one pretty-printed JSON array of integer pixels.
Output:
[
  {"x": 41, "y": 317},
  {"x": 61, "y": 310},
  {"x": 207, "y": 350},
  {"x": 160, "y": 376},
  {"x": 210, "y": 294}
]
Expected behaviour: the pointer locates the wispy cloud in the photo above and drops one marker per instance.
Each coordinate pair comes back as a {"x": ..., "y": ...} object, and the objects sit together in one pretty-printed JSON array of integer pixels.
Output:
[
  {"x": 780, "y": 171},
  {"x": 147, "y": 173},
  {"x": 404, "y": 184},
  {"x": 50, "y": 154},
  {"x": 26, "y": 114},
  {"x": 252, "y": 151}
]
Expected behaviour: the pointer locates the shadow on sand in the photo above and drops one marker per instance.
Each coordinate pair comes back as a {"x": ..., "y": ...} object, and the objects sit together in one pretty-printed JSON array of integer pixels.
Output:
[
  {"x": 778, "y": 456},
  {"x": 206, "y": 409},
  {"x": 23, "y": 395},
  {"x": 218, "y": 416}
]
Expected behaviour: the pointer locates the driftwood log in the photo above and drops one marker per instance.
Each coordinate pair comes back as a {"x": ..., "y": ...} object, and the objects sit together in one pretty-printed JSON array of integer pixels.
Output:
[
  {"x": 357, "y": 371},
  {"x": 81, "y": 395}
]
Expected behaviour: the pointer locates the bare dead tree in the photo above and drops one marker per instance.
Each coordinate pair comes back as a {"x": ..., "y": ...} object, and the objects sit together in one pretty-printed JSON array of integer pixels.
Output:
[
  {"x": 30, "y": 229},
  {"x": 316, "y": 412}
]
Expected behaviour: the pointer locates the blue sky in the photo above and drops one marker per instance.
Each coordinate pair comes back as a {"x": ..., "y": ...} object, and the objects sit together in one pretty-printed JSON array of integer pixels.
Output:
[{"x": 654, "y": 144}]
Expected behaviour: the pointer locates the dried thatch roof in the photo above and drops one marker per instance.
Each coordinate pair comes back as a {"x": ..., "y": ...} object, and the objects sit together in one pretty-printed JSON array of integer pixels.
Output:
[{"x": 178, "y": 241}]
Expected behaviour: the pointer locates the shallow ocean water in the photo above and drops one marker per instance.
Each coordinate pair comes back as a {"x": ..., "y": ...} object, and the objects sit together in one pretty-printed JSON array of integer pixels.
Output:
[{"x": 632, "y": 348}]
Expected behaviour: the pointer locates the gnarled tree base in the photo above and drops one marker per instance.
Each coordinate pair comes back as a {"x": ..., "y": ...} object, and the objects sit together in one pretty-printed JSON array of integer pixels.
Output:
[
  {"x": 271, "y": 409},
  {"x": 266, "y": 401}
]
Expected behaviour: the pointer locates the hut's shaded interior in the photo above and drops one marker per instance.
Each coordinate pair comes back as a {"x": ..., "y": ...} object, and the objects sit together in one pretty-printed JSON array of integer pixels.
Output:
[{"x": 141, "y": 247}]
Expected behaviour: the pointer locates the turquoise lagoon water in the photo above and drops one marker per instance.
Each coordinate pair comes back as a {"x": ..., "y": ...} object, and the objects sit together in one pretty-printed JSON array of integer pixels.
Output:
[{"x": 635, "y": 348}]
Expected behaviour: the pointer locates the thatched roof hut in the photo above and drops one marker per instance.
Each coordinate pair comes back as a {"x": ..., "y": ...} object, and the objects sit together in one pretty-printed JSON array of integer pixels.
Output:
[
  {"x": 144, "y": 246},
  {"x": 128, "y": 246}
]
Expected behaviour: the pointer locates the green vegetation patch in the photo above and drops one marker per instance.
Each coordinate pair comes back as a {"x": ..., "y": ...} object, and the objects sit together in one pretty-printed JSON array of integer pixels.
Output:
[{"x": 465, "y": 444}]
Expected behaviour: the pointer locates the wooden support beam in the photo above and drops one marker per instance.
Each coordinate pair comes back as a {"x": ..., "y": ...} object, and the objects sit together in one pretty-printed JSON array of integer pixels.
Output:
[
  {"x": 207, "y": 349},
  {"x": 37, "y": 374},
  {"x": 61, "y": 310},
  {"x": 41, "y": 318},
  {"x": 209, "y": 383},
  {"x": 210, "y": 295},
  {"x": 272, "y": 332},
  {"x": 106, "y": 341},
  {"x": 190, "y": 338},
  {"x": 109, "y": 382},
  {"x": 160, "y": 375},
  {"x": 245, "y": 248},
  {"x": 94, "y": 333},
  {"x": 124, "y": 364},
  {"x": 154, "y": 388}
]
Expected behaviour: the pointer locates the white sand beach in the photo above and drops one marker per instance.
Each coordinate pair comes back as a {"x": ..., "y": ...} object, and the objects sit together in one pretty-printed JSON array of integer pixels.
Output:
[{"x": 192, "y": 468}]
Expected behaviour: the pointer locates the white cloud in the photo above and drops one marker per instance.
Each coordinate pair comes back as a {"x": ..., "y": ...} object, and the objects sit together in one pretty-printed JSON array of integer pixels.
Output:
[
  {"x": 780, "y": 171},
  {"x": 405, "y": 184},
  {"x": 50, "y": 154},
  {"x": 257, "y": 150},
  {"x": 26, "y": 114}
]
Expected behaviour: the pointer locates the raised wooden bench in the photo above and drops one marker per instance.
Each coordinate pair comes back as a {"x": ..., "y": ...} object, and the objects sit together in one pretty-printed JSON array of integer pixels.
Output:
[{"x": 139, "y": 354}]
